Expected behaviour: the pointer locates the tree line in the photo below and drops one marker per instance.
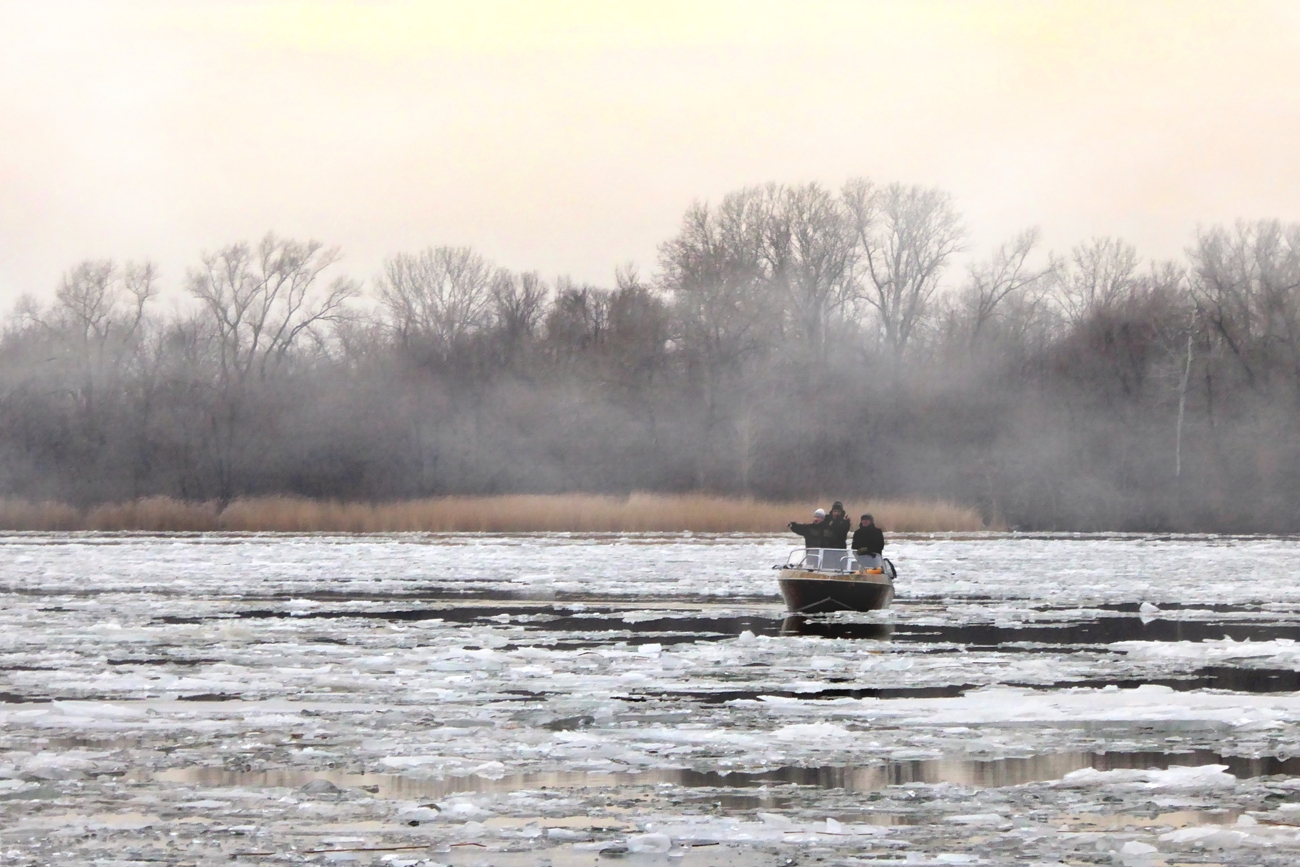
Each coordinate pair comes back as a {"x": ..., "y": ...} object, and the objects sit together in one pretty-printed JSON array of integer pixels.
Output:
[{"x": 791, "y": 340}]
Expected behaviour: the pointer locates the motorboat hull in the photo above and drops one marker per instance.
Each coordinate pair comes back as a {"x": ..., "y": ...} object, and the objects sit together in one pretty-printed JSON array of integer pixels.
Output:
[{"x": 809, "y": 592}]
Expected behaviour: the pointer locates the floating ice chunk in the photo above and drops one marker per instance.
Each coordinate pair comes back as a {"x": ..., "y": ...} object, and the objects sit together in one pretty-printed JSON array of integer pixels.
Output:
[
  {"x": 235, "y": 632},
  {"x": 812, "y": 733},
  {"x": 59, "y": 766},
  {"x": 419, "y": 815},
  {"x": 746, "y": 637},
  {"x": 10, "y": 787},
  {"x": 1194, "y": 777},
  {"x": 1137, "y": 847},
  {"x": 409, "y": 761},
  {"x": 650, "y": 649},
  {"x": 977, "y": 819},
  {"x": 320, "y": 787},
  {"x": 649, "y": 843},
  {"x": 1149, "y": 608},
  {"x": 834, "y": 826},
  {"x": 1205, "y": 836},
  {"x": 776, "y": 820},
  {"x": 463, "y": 811},
  {"x": 96, "y": 710},
  {"x": 490, "y": 770},
  {"x": 566, "y": 834}
]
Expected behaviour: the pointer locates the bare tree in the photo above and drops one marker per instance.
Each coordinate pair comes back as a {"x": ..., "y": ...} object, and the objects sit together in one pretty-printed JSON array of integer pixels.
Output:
[
  {"x": 258, "y": 302},
  {"x": 1248, "y": 282},
  {"x": 517, "y": 307},
  {"x": 728, "y": 309},
  {"x": 812, "y": 249},
  {"x": 911, "y": 235},
  {"x": 1100, "y": 275},
  {"x": 436, "y": 297},
  {"x": 718, "y": 272},
  {"x": 1004, "y": 275}
]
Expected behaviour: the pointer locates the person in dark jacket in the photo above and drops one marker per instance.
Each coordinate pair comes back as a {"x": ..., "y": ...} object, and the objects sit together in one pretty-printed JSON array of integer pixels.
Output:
[
  {"x": 814, "y": 534},
  {"x": 835, "y": 537},
  {"x": 837, "y": 527},
  {"x": 868, "y": 540}
]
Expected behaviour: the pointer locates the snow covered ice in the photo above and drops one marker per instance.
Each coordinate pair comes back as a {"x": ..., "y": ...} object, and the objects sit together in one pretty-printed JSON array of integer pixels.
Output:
[{"x": 417, "y": 699}]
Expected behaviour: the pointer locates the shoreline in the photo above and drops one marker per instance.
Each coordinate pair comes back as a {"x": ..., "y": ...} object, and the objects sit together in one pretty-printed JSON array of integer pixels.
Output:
[{"x": 512, "y": 513}]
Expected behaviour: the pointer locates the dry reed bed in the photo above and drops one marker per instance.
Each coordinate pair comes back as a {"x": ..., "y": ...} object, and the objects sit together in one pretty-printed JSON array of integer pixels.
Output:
[{"x": 520, "y": 513}]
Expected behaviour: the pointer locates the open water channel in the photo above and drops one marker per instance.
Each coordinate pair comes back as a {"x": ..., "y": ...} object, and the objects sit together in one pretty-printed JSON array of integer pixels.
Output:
[{"x": 581, "y": 700}]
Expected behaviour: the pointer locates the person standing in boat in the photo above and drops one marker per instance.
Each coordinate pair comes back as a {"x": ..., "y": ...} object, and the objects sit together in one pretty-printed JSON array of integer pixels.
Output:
[
  {"x": 868, "y": 543},
  {"x": 814, "y": 534},
  {"x": 837, "y": 537}
]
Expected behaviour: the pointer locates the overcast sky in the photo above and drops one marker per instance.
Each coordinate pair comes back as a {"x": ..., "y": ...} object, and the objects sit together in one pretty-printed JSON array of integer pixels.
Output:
[{"x": 570, "y": 136}]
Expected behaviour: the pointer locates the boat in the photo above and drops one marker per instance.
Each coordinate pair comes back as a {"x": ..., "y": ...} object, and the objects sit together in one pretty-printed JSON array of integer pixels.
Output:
[{"x": 822, "y": 580}]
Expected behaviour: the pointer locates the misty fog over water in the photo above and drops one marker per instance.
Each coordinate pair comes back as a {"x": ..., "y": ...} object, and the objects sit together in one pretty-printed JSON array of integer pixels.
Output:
[{"x": 792, "y": 340}]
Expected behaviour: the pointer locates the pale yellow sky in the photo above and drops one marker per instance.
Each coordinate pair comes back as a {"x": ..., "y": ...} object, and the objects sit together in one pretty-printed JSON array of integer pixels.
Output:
[{"x": 570, "y": 136}]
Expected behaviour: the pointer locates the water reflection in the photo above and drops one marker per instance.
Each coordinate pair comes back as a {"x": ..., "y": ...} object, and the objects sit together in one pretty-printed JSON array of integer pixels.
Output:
[
  {"x": 797, "y": 624},
  {"x": 994, "y": 773}
]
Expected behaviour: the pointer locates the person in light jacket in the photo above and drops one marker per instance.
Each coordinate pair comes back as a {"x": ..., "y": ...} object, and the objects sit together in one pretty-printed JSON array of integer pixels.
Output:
[{"x": 814, "y": 534}]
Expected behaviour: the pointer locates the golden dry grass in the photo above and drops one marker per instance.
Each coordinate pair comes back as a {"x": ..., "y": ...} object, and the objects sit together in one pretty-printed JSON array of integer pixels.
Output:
[
  {"x": 155, "y": 514},
  {"x": 521, "y": 513},
  {"x": 24, "y": 515}
]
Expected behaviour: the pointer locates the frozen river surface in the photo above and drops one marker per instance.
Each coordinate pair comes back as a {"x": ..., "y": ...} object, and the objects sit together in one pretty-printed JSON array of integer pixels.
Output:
[{"x": 578, "y": 700}]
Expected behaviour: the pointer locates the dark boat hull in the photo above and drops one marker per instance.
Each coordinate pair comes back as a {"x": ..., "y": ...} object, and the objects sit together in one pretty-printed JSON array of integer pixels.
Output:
[{"x": 813, "y": 593}]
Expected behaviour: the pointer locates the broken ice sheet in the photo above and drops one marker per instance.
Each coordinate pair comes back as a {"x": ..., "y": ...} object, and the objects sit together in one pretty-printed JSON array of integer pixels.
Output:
[{"x": 548, "y": 691}]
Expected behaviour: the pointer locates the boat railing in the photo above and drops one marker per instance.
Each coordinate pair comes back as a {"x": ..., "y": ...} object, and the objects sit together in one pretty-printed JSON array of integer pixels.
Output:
[
  {"x": 832, "y": 560},
  {"x": 822, "y": 560}
]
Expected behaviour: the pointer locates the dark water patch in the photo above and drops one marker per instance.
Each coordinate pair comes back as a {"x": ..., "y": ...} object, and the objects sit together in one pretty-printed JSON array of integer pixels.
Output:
[
  {"x": 683, "y": 626},
  {"x": 211, "y": 696},
  {"x": 724, "y": 696},
  {"x": 1217, "y": 607},
  {"x": 1246, "y": 680},
  {"x": 797, "y": 624},
  {"x": 529, "y": 593},
  {"x": 1249, "y": 680},
  {"x": 1093, "y": 632},
  {"x": 570, "y": 723},
  {"x": 15, "y": 698},
  {"x": 162, "y": 660},
  {"x": 420, "y": 594},
  {"x": 992, "y": 773},
  {"x": 1101, "y": 631},
  {"x": 609, "y": 624}
]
